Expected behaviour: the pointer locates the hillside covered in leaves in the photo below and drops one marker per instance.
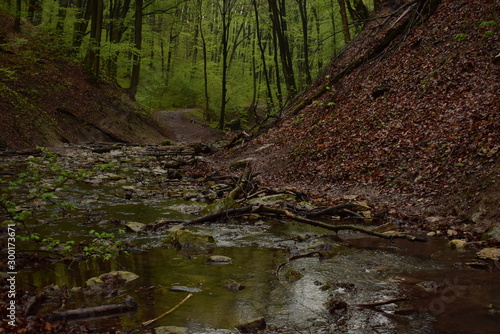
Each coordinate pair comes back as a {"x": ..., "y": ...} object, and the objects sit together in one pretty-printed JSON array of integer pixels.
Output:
[
  {"x": 47, "y": 99},
  {"x": 406, "y": 117}
]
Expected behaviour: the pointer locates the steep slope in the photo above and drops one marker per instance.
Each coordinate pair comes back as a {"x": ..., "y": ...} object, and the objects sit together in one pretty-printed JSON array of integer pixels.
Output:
[
  {"x": 408, "y": 121},
  {"x": 46, "y": 99}
]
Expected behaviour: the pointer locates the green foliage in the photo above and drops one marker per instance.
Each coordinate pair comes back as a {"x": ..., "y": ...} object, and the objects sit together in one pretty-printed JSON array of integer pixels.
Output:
[
  {"x": 103, "y": 245},
  {"x": 460, "y": 37},
  {"x": 487, "y": 34},
  {"x": 488, "y": 24},
  {"x": 43, "y": 177}
]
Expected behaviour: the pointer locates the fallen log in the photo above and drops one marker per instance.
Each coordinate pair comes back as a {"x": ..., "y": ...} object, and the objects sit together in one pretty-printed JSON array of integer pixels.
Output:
[
  {"x": 88, "y": 312},
  {"x": 265, "y": 210}
]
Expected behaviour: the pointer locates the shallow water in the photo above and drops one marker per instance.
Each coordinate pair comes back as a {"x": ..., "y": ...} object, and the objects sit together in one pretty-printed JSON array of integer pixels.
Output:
[{"x": 355, "y": 269}]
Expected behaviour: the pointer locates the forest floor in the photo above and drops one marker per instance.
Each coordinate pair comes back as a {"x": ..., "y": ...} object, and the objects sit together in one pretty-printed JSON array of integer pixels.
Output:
[{"x": 413, "y": 129}]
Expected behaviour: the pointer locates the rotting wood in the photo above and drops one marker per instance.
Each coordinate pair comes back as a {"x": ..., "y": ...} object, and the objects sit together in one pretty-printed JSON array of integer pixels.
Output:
[
  {"x": 242, "y": 183},
  {"x": 88, "y": 312}
]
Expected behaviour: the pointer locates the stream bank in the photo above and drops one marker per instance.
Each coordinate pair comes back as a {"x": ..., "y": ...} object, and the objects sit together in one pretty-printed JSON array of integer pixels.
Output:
[{"x": 154, "y": 185}]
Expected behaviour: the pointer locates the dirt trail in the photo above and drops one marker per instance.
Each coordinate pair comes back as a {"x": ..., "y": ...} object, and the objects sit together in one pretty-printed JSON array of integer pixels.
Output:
[{"x": 186, "y": 128}]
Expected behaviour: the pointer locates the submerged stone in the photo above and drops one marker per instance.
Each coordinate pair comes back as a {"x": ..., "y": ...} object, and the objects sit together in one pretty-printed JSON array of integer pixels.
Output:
[
  {"x": 233, "y": 286},
  {"x": 187, "y": 240},
  {"x": 219, "y": 259},
  {"x": 180, "y": 288},
  {"x": 252, "y": 326},
  {"x": 99, "y": 281},
  {"x": 171, "y": 330}
]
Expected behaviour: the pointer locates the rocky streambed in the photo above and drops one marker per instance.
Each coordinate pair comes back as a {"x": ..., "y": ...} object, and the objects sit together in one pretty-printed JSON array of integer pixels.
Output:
[{"x": 252, "y": 271}]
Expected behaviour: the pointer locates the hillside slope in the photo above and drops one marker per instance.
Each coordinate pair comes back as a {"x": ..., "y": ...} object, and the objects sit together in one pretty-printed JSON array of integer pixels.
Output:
[
  {"x": 408, "y": 122},
  {"x": 47, "y": 100}
]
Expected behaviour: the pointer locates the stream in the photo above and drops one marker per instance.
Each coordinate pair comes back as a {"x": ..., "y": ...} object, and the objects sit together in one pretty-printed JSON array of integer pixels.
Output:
[{"x": 442, "y": 292}]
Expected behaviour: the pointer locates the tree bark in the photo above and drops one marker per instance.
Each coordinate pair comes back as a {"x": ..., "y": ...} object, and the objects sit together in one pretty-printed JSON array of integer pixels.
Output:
[{"x": 345, "y": 21}]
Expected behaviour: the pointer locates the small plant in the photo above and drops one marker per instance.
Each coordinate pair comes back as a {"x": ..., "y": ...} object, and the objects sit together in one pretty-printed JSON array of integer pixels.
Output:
[
  {"x": 103, "y": 245},
  {"x": 460, "y": 37},
  {"x": 43, "y": 177},
  {"x": 488, "y": 24},
  {"x": 300, "y": 118},
  {"x": 487, "y": 34}
]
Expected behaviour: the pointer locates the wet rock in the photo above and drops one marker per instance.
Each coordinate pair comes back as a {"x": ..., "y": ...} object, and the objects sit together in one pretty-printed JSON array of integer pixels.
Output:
[
  {"x": 457, "y": 244},
  {"x": 252, "y": 326},
  {"x": 170, "y": 330},
  {"x": 336, "y": 307},
  {"x": 103, "y": 279},
  {"x": 219, "y": 259},
  {"x": 233, "y": 286},
  {"x": 489, "y": 254},
  {"x": 221, "y": 205},
  {"x": 180, "y": 288},
  {"x": 187, "y": 240},
  {"x": 491, "y": 234},
  {"x": 135, "y": 227},
  {"x": 293, "y": 275},
  {"x": 272, "y": 199},
  {"x": 176, "y": 228}
]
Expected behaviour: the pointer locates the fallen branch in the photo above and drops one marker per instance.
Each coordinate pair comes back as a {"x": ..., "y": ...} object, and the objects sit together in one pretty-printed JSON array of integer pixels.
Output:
[
  {"x": 337, "y": 228},
  {"x": 87, "y": 312},
  {"x": 145, "y": 323},
  {"x": 277, "y": 271},
  {"x": 382, "y": 302},
  {"x": 265, "y": 210}
]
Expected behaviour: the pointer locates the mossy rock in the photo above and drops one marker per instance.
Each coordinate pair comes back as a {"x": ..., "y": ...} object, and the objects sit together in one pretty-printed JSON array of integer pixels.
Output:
[
  {"x": 221, "y": 205},
  {"x": 187, "y": 240},
  {"x": 98, "y": 281},
  {"x": 272, "y": 199}
]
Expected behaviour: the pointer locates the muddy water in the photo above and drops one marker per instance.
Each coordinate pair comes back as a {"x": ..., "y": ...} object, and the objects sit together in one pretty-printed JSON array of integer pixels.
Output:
[{"x": 444, "y": 294}]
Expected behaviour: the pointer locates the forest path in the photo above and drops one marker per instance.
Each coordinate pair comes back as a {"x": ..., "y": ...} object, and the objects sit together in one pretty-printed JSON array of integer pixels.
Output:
[{"x": 187, "y": 128}]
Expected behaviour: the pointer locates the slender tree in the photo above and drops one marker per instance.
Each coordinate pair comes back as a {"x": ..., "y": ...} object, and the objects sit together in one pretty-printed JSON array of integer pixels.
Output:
[
  {"x": 136, "y": 66},
  {"x": 226, "y": 12}
]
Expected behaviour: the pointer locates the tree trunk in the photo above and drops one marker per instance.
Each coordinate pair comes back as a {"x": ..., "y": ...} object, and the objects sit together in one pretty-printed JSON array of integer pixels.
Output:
[
  {"x": 280, "y": 29},
  {"x": 92, "y": 58},
  {"x": 345, "y": 21},
  {"x": 17, "y": 20},
  {"x": 270, "y": 103},
  {"x": 136, "y": 67},
  {"x": 305, "y": 38}
]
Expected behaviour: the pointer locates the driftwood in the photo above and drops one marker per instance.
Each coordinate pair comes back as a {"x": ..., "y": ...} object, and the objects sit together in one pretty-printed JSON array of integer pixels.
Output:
[
  {"x": 88, "y": 312},
  {"x": 169, "y": 311}
]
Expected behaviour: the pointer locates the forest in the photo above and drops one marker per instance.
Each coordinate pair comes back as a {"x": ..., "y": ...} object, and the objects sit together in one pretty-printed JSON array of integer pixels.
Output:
[
  {"x": 249, "y": 166},
  {"x": 228, "y": 57}
]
